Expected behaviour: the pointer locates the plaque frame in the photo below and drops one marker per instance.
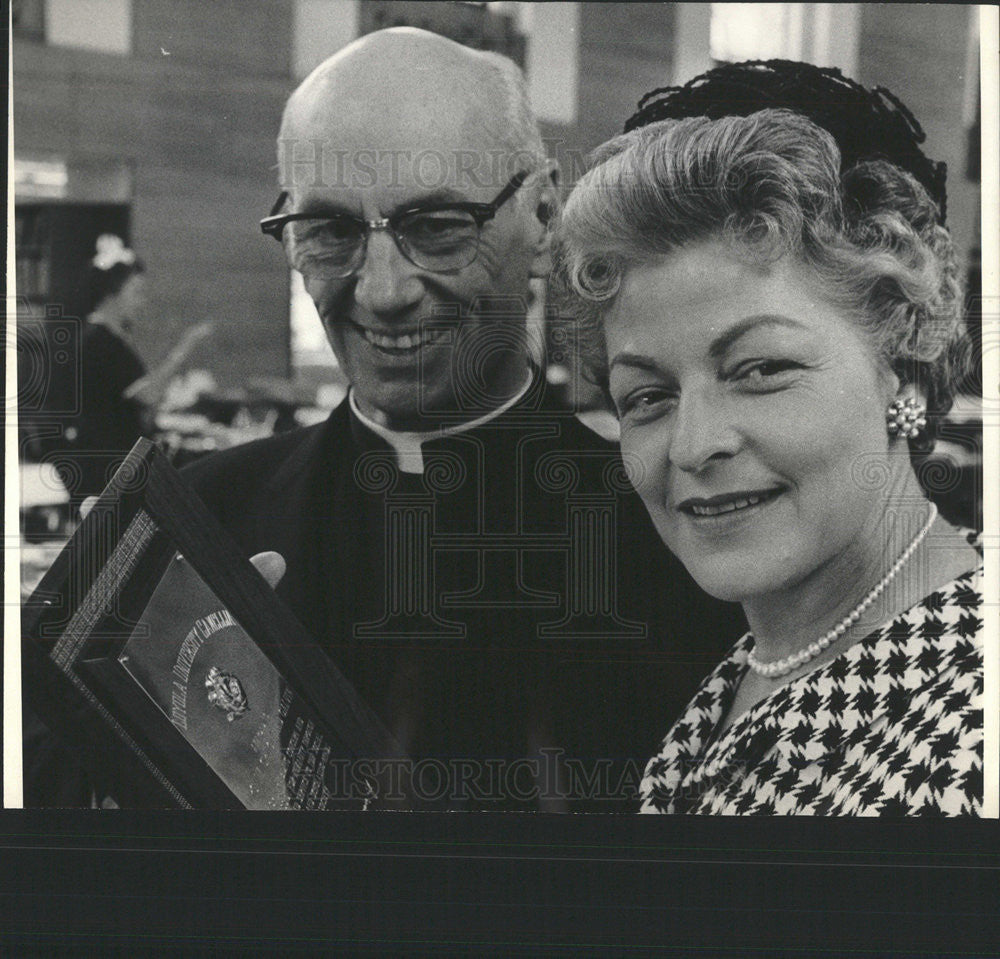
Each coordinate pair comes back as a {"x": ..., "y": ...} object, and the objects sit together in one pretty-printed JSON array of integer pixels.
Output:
[{"x": 83, "y": 613}]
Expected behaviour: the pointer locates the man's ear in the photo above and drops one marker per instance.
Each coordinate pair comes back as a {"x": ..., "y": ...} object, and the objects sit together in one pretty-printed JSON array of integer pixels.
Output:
[{"x": 546, "y": 212}]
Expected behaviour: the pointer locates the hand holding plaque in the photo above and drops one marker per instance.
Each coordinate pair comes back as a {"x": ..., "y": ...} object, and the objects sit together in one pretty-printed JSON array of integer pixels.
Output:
[{"x": 152, "y": 643}]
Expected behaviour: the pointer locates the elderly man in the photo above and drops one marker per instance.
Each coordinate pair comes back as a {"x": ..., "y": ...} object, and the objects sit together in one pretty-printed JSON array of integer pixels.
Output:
[{"x": 465, "y": 549}]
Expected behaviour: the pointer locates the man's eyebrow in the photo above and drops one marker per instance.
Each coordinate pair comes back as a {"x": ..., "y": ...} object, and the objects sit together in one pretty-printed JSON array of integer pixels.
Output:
[
  {"x": 324, "y": 207},
  {"x": 725, "y": 340},
  {"x": 321, "y": 205},
  {"x": 443, "y": 195}
]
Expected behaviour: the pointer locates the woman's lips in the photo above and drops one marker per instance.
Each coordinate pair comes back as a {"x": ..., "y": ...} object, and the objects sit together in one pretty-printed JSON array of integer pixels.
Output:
[{"x": 726, "y": 503}]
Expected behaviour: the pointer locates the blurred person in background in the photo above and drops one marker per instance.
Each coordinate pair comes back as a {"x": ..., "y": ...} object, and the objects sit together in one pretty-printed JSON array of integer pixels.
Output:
[
  {"x": 117, "y": 400},
  {"x": 779, "y": 324},
  {"x": 118, "y": 396}
]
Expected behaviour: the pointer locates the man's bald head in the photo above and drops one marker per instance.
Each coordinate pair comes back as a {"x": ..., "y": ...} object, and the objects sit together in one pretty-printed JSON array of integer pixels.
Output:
[
  {"x": 430, "y": 92},
  {"x": 404, "y": 134}
]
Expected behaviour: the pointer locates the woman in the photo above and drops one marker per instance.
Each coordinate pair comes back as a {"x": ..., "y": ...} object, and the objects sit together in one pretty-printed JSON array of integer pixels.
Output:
[
  {"x": 116, "y": 392},
  {"x": 774, "y": 329}
]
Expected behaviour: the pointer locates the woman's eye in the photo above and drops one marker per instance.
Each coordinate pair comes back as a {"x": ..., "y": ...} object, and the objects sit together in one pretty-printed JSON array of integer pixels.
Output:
[
  {"x": 645, "y": 401},
  {"x": 764, "y": 372}
]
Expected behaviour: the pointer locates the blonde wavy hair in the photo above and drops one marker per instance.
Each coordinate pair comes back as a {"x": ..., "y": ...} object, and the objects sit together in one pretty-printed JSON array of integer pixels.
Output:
[{"x": 770, "y": 184}]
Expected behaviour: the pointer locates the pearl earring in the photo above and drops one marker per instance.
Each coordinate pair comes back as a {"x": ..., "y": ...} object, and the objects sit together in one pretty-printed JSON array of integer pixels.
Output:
[{"x": 906, "y": 418}]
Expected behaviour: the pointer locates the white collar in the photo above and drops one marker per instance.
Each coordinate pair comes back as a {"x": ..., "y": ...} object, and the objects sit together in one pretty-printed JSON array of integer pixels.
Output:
[{"x": 409, "y": 454}]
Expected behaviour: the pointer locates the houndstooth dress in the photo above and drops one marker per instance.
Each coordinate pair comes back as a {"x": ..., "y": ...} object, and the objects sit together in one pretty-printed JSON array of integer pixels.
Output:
[{"x": 892, "y": 727}]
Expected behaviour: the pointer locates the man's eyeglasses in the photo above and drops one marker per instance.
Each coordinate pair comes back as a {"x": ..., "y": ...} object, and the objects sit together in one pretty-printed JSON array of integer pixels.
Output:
[{"x": 440, "y": 237}]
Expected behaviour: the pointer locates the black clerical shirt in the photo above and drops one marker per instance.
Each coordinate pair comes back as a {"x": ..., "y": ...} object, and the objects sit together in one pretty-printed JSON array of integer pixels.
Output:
[{"x": 508, "y": 611}]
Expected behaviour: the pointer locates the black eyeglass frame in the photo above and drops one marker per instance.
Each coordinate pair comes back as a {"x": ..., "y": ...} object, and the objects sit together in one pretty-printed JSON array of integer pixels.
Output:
[{"x": 274, "y": 224}]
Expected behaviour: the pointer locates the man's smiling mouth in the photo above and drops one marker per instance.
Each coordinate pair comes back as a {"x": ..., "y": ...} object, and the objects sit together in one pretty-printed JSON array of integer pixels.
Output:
[{"x": 401, "y": 343}]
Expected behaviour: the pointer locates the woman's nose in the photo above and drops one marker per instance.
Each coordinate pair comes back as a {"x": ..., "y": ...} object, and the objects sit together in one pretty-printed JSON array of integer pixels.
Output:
[{"x": 703, "y": 431}]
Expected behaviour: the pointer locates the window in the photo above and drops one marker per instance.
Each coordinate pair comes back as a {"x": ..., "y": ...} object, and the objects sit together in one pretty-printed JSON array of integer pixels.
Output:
[
  {"x": 33, "y": 254},
  {"x": 825, "y": 34},
  {"x": 101, "y": 25},
  {"x": 752, "y": 31}
]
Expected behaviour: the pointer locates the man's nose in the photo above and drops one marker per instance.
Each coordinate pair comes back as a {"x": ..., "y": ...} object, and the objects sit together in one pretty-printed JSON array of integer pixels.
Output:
[
  {"x": 387, "y": 281},
  {"x": 703, "y": 431}
]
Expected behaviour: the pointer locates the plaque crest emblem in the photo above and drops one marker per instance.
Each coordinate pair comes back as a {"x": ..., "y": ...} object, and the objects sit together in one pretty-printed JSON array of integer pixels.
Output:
[{"x": 226, "y": 693}]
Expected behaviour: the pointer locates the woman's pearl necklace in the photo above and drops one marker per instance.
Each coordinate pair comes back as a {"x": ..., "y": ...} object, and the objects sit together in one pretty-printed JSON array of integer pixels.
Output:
[{"x": 782, "y": 666}]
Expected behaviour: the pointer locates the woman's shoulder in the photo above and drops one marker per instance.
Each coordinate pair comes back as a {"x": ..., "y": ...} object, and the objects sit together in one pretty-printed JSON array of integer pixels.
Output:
[
  {"x": 101, "y": 347},
  {"x": 962, "y": 594},
  {"x": 940, "y": 631},
  {"x": 952, "y": 564}
]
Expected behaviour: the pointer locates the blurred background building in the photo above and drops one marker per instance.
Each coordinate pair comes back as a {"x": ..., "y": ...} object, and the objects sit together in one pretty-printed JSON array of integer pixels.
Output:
[{"x": 156, "y": 120}]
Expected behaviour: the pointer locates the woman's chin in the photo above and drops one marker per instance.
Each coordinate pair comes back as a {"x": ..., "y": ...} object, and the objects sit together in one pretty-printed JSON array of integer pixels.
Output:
[{"x": 730, "y": 582}]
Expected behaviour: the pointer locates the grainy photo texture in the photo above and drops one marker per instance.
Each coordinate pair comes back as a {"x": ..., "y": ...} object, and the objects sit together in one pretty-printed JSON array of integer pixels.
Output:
[{"x": 565, "y": 407}]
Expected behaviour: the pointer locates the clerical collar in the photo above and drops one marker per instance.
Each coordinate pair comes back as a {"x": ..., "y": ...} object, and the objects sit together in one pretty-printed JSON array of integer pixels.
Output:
[{"x": 408, "y": 446}]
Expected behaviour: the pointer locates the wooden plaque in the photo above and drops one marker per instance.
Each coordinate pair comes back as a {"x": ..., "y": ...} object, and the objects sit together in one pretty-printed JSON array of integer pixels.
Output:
[{"x": 153, "y": 646}]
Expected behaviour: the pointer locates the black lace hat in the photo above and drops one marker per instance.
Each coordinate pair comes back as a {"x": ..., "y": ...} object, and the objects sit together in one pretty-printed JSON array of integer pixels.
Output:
[{"x": 867, "y": 124}]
